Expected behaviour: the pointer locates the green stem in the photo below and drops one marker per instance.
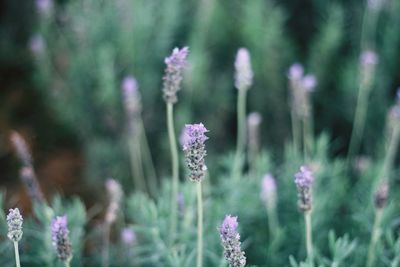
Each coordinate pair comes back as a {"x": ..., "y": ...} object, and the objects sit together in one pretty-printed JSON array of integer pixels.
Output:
[
  {"x": 273, "y": 223},
  {"x": 136, "y": 166},
  {"x": 309, "y": 246},
  {"x": 241, "y": 133},
  {"x": 150, "y": 170},
  {"x": 106, "y": 245},
  {"x": 391, "y": 152},
  {"x": 295, "y": 131},
  {"x": 335, "y": 264},
  {"x": 175, "y": 170},
  {"x": 17, "y": 261},
  {"x": 376, "y": 232},
  {"x": 67, "y": 264},
  {"x": 199, "y": 261}
]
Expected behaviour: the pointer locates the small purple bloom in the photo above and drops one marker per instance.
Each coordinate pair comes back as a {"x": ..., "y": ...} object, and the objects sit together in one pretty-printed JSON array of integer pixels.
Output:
[
  {"x": 244, "y": 72},
  {"x": 115, "y": 193},
  {"x": 309, "y": 82},
  {"x": 230, "y": 240},
  {"x": 268, "y": 191},
  {"x": 194, "y": 149},
  {"x": 131, "y": 96},
  {"x": 254, "y": 119},
  {"x": 37, "y": 45},
  {"x": 296, "y": 71},
  {"x": 60, "y": 237},
  {"x": 369, "y": 57},
  {"x": 176, "y": 64},
  {"x": 381, "y": 195},
  {"x": 304, "y": 180},
  {"x": 44, "y": 7},
  {"x": 128, "y": 236}
]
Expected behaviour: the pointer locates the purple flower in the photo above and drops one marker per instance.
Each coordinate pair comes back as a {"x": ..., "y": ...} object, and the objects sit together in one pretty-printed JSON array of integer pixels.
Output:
[
  {"x": 369, "y": 57},
  {"x": 174, "y": 73},
  {"x": 14, "y": 222},
  {"x": 254, "y": 119},
  {"x": 115, "y": 193},
  {"x": 381, "y": 195},
  {"x": 230, "y": 240},
  {"x": 244, "y": 73},
  {"x": 304, "y": 180},
  {"x": 60, "y": 237},
  {"x": 44, "y": 7},
  {"x": 268, "y": 191},
  {"x": 37, "y": 45},
  {"x": 128, "y": 236},
  {"x": 131, "y": 96},
  {"x": 194, "y": 149},
  {"x": 309, "y": 82},
  {"x": 296, "y": 71}
]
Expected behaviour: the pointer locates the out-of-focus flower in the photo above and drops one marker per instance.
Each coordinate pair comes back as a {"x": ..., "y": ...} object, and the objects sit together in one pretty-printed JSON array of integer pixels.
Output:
[
  {"x": 304, "y": 180},
  {"x": 381, "y": 195},
  {"x": 44, "y": 7},
  {"x": 268, "y": 191},
  {"x": 174, "y": 73},
  {"x": 296, "y": 72},
  {"x": 368, "y": 61},
  {"x": 309, "y": 82},
  {"x": 128, "y": 236},
  {"x": 14, "y": 222},
  {"x": 253, "y": 122},
  {"x": 60, "y": 237},
  {"x": 194, "y": 149},
  {"x": 243, "y": 70},
  {"x": 115, "y": 193}
]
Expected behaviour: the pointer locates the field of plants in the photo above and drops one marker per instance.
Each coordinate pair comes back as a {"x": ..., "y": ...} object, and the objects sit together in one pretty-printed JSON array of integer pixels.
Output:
[{"x": 199, "y": 133}]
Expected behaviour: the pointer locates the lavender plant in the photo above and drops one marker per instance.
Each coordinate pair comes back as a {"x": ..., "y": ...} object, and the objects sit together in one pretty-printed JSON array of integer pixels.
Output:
[
  {"x": 195, "y": 152},
  {"x": 243, "y": 82},
  {"x": 253, "y": 125}
]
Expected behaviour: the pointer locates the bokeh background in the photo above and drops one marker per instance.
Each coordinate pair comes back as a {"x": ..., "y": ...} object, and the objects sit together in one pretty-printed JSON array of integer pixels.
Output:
[{"x": 62, "y": 64}]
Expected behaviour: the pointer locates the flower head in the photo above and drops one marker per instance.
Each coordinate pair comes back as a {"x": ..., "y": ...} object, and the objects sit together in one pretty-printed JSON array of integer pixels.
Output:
[
  {"x": 60, "y": 237},
  {"x": 304, "y": 180},
  {"x": 14, "y": 222},
  {"x": 268, "y": 191},
  {"x": 309, "y": 82},
  {"x": 131, "y": 97},
  {"x": 194, "y": 149},
  {"x": 115, "y": 193},
  {"x": 128, "y": 236},
  {"x": 44, "y": 7},
  {"x": 176, "y": 63},
  {"x": 296, "y": 71},
  {"x": 381, "y": 195},
  {"x": 244, "y": 73},
  {"x": 37, "y": 45},
  {"x": 369, "y": 57},
  {"x": 230, "y": 240}
]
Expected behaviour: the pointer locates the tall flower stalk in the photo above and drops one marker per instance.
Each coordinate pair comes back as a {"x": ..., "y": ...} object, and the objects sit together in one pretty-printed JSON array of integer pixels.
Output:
[
  {"x": 304, "y": 181},
  {"x": 14, "y": 222},
  {"x": 268, "y": 196},
  {"x": 243, "y": 82},
  {"x": 380, "y": 200},
  {"x": 193, "y": 140},
  {"x": 176, "y": 63},
  {"x": 230, "y": 240},
  {"x": 368, "y": 62},
  {"x": 253, "y": 125},
  {"x": 301, "y": 109},
  {"x": 137, "y": 141},
  {"x": 27, "y": 173}
]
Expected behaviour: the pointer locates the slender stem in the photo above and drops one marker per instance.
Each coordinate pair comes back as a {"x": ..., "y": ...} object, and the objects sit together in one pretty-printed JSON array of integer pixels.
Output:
[
  {"x": 106, "y": 245},
  {"x": 136, "y": 167},
  {"x": 376, "y": 232},
  {"x": 17, "y": 262},
  {"x": 199, "y": 261},
  {"x": 241, "y": 132},
  {"x": 295, "y": 130},
  {"x": 175, "y": 170},
  {"x": 391, "y": 152},
  {"x": 151, "y": 172},
  {"x": 309, "y": 246},
  {"x": 272, "y": 221}
]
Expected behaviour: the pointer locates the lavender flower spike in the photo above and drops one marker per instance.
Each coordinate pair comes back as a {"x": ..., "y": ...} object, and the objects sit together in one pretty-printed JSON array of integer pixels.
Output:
[
  {"x": 296, "y": 72},
  {"x": 60, "y": 237},
  {"x": 244, "y": 73},
  {"x": 194, "y": 149},
  {"x": 130, "y": 91},
  {"x": 174, "y": 74},
  {"x": 304, "y": 180},
  {"x": 230, "y": 239},
  {"x": 14, "y": 222},
  {"x": 268, "y": 191},
  {"x": 115, "y": 193}
]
